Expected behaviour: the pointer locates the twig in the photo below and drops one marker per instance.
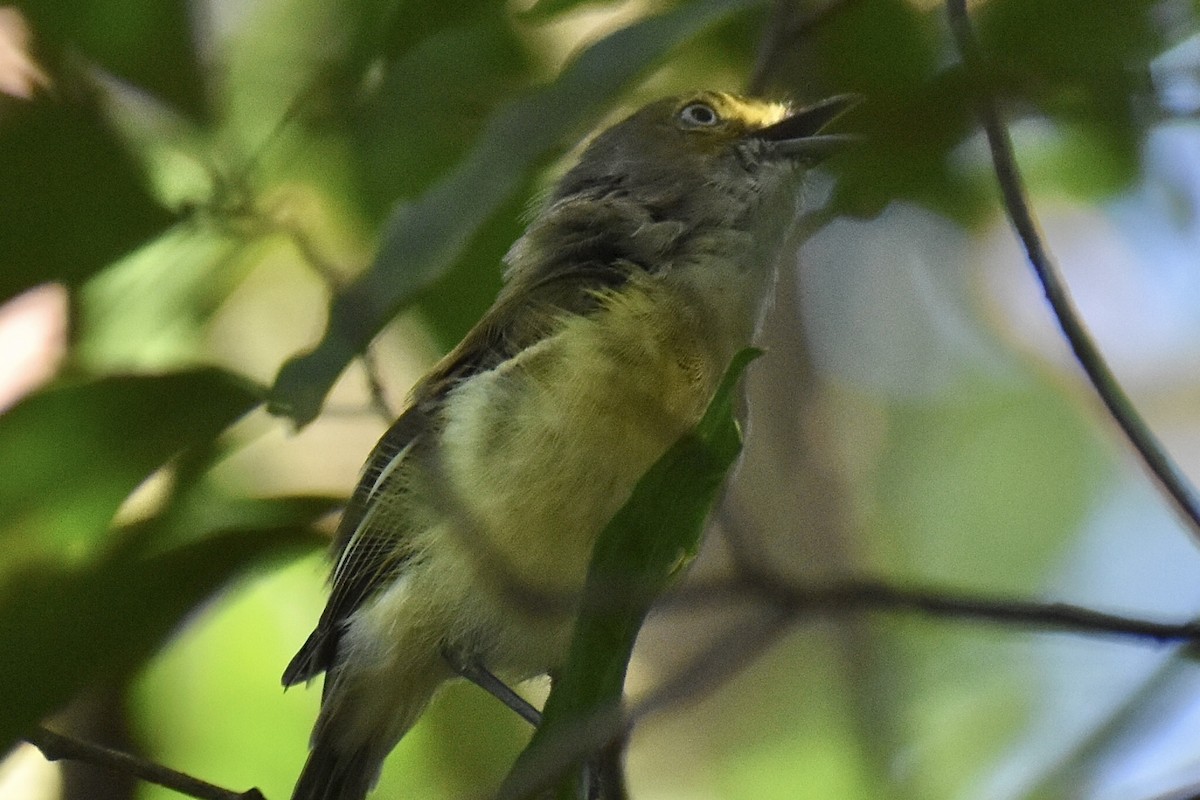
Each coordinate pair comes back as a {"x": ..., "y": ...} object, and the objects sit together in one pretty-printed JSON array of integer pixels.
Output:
[
  {"x": 791, "y": 604},
  {"x": 1170, "y": 478},
  {"x": 379, "y": 402},
  {"x": 774, "y": 36},
  {"x": 717, "y": 663},
  {"x": 858, "y": 596},
  {"x": 57, "y": 747}
]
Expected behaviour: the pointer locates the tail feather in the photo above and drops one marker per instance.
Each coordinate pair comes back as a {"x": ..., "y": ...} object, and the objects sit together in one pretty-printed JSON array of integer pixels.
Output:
[
  {"x": 330, "y": 774},
  {"x": 363, "y": 715},
  {"x": 315, "y": 656}
]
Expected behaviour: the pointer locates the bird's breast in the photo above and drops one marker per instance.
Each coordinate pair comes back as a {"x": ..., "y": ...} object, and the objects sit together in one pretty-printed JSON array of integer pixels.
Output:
[{"x": 543, "y": 450}]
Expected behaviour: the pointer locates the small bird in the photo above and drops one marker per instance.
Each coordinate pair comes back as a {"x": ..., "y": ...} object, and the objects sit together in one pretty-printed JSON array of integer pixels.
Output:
[{"x": 647, "y": 268}]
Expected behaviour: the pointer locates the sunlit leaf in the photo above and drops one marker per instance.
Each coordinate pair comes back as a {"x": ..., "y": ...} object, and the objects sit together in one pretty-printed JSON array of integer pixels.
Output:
[
  {"x": 70, "y": 455},
  {"x": 546, "y": 9},
  {"x": 62, "y": 629}
]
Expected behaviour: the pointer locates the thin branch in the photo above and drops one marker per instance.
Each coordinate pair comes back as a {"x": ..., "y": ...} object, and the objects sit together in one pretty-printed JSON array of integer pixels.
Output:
[
  {"x": 790, "y": 604},
  {"x": 379, "y": 402},
  {"x": 774, "y": 38},
  {"x": 1168, "y": 475},
  {"x": 730, "y": 654},
  {"x": 58, "y": 747},
  {"x": 859, "y": 596}
]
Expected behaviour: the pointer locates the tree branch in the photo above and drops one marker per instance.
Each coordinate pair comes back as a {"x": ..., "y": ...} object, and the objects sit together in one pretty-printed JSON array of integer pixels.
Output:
[
  {"x": 859, "y": 596},
  {"x": 1151, "y": 451},
  {"x": 58, "y": 747}
]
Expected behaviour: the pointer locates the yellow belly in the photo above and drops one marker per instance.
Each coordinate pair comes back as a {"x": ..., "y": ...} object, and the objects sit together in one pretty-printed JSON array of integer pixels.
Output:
[{"x": 538, "y": 455}]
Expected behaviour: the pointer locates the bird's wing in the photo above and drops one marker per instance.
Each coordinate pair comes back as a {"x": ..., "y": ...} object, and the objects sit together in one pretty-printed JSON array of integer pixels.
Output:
[
  {"x": 372, "y": 546},
  {"x": 369, "y": 547}
]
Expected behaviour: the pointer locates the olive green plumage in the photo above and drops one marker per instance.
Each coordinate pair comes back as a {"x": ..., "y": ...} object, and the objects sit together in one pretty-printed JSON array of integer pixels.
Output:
[{"x": 647, "y": 268}]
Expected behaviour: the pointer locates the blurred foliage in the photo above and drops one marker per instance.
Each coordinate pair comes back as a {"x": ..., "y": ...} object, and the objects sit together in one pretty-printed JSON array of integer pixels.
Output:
[
  {"x": 308, "y": 135},
  {"x": 149, "y": 43},
  {"x": 169, "y": 413},
  {"x": 60, "y": 161}
]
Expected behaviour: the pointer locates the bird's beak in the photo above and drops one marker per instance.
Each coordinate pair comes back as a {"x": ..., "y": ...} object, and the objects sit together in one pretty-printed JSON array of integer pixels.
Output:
[{"x": 799, "y": 135}]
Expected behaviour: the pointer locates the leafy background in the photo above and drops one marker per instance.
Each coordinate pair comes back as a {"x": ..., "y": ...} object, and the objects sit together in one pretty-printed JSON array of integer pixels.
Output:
[{"x": 201, "y": 201}]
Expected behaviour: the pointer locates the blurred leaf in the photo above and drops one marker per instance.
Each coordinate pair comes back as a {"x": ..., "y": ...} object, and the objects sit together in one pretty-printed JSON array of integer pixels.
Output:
[
  {"x": 389, "y": 28},
  {"x": 899, "y": 37},
  {"x": 205, "y": 507},
  {"x": 149, "y": 311},
  {"x": 72, "y": 200},
  {"x": 1088, "y": 162},
  {"x": 654, "y": 534},
  {"x": 943, "y": 473},
  {"x": 913, "y": 115},
  {"x": 431, "y": 104},
  {"x": 62, "y": 629},
  {"x": 1085, "y": 65},
  {"x": 70, "y": 455},
  {"x": 455, "y": 302},
  {"x": 147, "y": 42},
  {"x": 1065, "y": 45},
  {"x": 543, "y": 10},
  {"x": 424, "y": 237}
]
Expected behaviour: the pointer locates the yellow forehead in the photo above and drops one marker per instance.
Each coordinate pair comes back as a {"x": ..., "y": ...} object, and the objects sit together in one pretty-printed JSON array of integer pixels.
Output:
[{"x": 750, "y": 112}]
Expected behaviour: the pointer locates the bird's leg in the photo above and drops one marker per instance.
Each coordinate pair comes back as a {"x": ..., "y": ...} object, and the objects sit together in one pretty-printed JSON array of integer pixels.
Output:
[{"x": 482, "y": 677}]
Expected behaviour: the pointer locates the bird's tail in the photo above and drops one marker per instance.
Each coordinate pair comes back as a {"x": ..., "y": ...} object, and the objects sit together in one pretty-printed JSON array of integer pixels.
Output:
[
  {"x": 362, "y": 718},
  {"x": 332, "y": 774}
]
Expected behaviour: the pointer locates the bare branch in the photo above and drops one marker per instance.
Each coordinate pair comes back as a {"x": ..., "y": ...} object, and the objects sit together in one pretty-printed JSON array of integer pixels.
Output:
[
  {"x": 379, "y": 402},
  {"x": 1151, "y": 451},
  {"x": 717, "y": 663},
  {"x": 58, "y": 747},
  {"x": 861, "y": 596},
  {"x": 790, "y": 604}
]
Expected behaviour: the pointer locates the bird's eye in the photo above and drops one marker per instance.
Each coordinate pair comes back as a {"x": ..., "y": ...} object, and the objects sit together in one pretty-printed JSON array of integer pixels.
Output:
[{"x": 700, "y": 115}]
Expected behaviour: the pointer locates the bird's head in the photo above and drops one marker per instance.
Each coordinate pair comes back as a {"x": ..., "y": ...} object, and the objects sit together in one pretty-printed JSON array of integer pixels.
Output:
[{"x": 685, "y": 154}]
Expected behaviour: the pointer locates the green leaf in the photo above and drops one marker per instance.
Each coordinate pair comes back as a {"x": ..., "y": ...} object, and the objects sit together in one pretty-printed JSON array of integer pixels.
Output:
[
  {"x": 71, "y": 454},
  {"x": 431, "y": 104},
  {"x": 426, "y": 236},
  {"x": 390, "y": 28},
  {"x": 913, "y": 116},
  {"x": 1058, "y": 45},
  {"x": 146, "y": 42},
  {"x": 62, "y": 629},
  {"x": 544, "y": 10},
  {"x": 898, "y": 36},
  {"x": 71, "y": 199},
  {"x": 635, "y": 558},
  {"x": 1086, "y": 66}
]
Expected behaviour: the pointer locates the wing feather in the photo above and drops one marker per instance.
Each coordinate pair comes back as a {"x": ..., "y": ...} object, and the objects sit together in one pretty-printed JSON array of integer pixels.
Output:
[{"x": 372, "y": 545}]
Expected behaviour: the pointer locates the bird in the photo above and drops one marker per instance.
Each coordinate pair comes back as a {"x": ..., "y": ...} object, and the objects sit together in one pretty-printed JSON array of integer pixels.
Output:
[{"x": 648, "y": 266}]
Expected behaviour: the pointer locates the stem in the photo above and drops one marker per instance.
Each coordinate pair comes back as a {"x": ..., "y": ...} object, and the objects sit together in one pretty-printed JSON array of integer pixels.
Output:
[{"x": 1151, "y": 451}]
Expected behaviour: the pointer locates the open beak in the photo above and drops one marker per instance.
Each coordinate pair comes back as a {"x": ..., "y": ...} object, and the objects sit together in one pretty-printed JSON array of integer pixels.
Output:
[{"x": 799, "y": 135}]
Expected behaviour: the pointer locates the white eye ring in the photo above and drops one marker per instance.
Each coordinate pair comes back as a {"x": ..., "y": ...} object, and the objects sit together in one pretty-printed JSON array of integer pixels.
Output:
[{"x": 699, "y": 115}]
